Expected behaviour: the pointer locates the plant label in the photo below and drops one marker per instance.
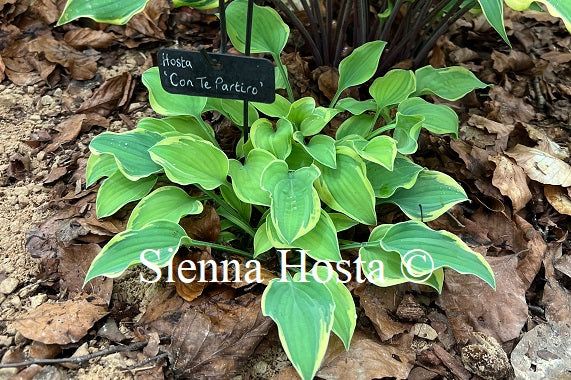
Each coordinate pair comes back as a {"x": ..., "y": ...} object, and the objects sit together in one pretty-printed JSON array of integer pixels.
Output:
[{"x": 215, "y": 75}]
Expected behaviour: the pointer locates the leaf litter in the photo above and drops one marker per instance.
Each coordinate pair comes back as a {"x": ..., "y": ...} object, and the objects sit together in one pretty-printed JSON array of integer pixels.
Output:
[{"x": 508, "y": 149}]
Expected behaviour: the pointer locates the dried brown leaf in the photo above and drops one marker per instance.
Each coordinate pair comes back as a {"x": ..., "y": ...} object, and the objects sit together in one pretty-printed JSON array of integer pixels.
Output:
[
  {"x": 558, "y": 198},
  {"x": 472, "y": 305},
  {"x": 541, "y": 167},
  {"x": 556, "y": 299},
  {"x": 63, "y": 322},
  {"x": 114, "y": 93},
  {"x": 191, "y": 290},
  {"x": 367, "y": 359},
  {"x": 2, "y": 69},
  {"x": 515, "y": 61},
  {"x": 68, "y": 129},
  {"x": 74, "y": 263},
  {"x": 379, "y": 304},
  {"x": 205, "y": 226},
  {"x": 511, "y": 180},
  {"x": 83, "y": 38},
  {"x": 210, "y": 336},
  {"x": 55, "y": 174},
  {"x": 80, "y": 66}
]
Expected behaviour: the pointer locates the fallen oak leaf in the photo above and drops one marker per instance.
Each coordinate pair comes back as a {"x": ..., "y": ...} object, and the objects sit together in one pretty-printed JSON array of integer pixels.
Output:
[
  {"x": 114, "y": 93},
  {"x": 80, "y": 66},
  {"x": 558, "y": 199},
  {"x": 69, "y": 129},
  {"x": 511, "y": 180},
  {"x": 83, "y": 38},
  {"x": 541, "y": 167},
  {"x": 63, "y": 322}
]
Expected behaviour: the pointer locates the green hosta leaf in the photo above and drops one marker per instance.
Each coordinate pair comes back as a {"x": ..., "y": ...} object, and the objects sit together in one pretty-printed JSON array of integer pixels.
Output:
[
  {"x": 406, "y": 132},
  {"x": 160, "y": 240},
  {"x": 130, "y": 150},
  {"x": 381, "y": 150},
  {"x": 167, "y": 104},
  {"x": 117, "y": 190},
  {"x": 187, "y": 160},
  {"x": 320, "y": 147},
  {"x": 295, "y": 205},
  {"x": 261, "y": 241},
  {"x": 321, "y": 242},
  {"x": 345, "y": 314},
  {"x": 392, "y": 272},
  {"x": 191, "y": 126},
  {"x": 279, "y": 108},
  {"x": 393, "y": 88},
  {"x": 356, "y": 125},
  {"x": 232, "y": 109},
  {"x": 104, "y": 11},
  {"x": 359, "y": 66},
  {"x": 557, "y": 8},
  {"x": 269, "y": 32},
  {"x": 346, "y": 189},
  {"x": 341, "y": 221},
  {"x": 155, "y": 125},
  {"x": 356, "y": 107},
  {"x": 178, "y": 125},
  {"x": 246, "y": 179},
  {"x": 437, "y": 117},
  {"x": 450, "y": 83},
  {"x": 494, "y": 12},
  {"x": 166, "y": 203},
  {"x": 386, "y": 182},
  {"x": 313, "y": 124},
  {"x": 99, "y": 166},
  {"x": 445, "y": 249},
  {"x": 298, "y": 158},
  {"x": 435, "y": 191},
  {"x": 304, "y": 313},
  {"x": 300, "y": 110},
  {"x": 277, "y": 142},
  {"x": 198, "y": 4},
  {"x": 243, "y": 208}
]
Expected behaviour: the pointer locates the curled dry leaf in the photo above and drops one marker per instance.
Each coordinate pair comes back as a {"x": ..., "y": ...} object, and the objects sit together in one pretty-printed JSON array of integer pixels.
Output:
[
  {"x": 191, "y": 290},
  {"x": 83, "y": 38},
  {"x": 74, "y": 263},
  {"x": 511, "y": 180},
  {"x": 211, "y": 335},
  {"x": 541, "y": 167},
  {"x": 556, "y": 299},
  {"x": 558, "y": 198},
  {"x": 204, "y": 226},
  {"x": 471, "y": 305},
  {"x": 367, "y": 359},
  {"x": 68, "y": 131},
  {"x": 80, "y": 66},
  {"x": 63, "y": 322},
  {"x": 515, "y": 61},
  {"x": 114, "y": 93},
  {"x": 379, "y": 304}
]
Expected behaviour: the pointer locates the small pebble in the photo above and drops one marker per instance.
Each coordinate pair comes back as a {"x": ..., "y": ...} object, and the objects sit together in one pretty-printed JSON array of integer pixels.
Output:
[
  {"x": 424, "y": 331},
  {"x": 30, "y": 89},
  {"x": 23, "y": 200},
  {"x": 110, "y": 331},
  {"x": 46, "y": 100},
  {"x": 16, "y": 302},
  {"x": 8, "y": 285},
  {"x": 58, "y": 92},
  {"x": 6, "y": 341},
  {"x": 35, "y": 117},
  {"x": 37, "y": 300},
  {"x": 20, "y": 339}
]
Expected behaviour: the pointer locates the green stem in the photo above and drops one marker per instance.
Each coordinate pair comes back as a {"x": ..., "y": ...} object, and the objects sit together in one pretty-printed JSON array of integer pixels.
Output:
[
  {"x": 244, "y": 225},
  {"x": 385, "y": 114},
  {"x": 335, "y": 98},
  {"x": 221, "y": 247},
  {"x": 345, "y": 247},
  {"x": 283, "y": 71},
  {"x": 377, "y": 132}
]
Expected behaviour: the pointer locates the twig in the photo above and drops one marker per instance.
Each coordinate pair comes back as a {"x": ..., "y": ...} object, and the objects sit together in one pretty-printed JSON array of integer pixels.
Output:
[
  {"x": 137, "y": 366},
  {"x": 78, "y": 359}
]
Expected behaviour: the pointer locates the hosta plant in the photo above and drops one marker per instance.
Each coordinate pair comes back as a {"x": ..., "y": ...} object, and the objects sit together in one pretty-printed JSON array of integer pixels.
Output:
[{"x": 291, "y": 186}]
